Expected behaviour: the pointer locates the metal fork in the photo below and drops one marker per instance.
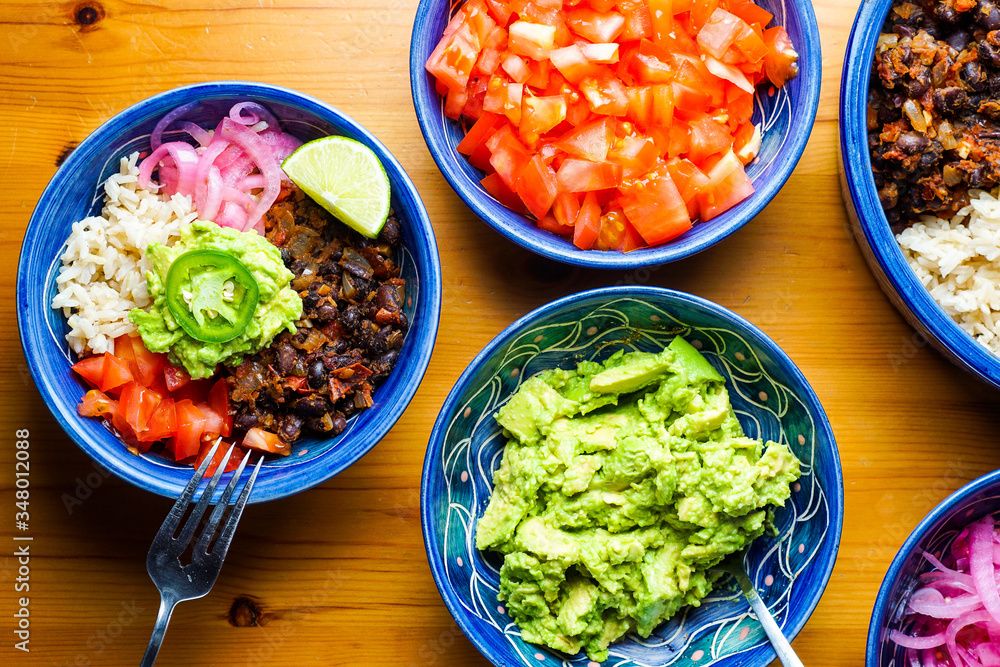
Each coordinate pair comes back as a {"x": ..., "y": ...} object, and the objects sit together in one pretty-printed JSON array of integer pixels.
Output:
[
  {"x": 176, "y": 581},
  {"x": 734, "y": 566}
]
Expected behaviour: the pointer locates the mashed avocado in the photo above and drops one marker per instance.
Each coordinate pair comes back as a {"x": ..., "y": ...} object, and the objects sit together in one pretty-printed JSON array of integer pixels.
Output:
[
  {"x": 621, "y": 484},
  {"x": 278, "y": 306}
]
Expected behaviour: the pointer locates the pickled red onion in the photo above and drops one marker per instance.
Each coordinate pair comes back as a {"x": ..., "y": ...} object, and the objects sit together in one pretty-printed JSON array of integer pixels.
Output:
[
  {"x": 957, "y": 610},
  {"x": 156, "y": 138},
  {"x": 257, "y": 111},
  {"x": 262, "y": 156}
]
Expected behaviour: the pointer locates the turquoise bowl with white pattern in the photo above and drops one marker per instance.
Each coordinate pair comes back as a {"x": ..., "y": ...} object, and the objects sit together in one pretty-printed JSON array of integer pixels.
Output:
[{"x": 772, "y": 400}]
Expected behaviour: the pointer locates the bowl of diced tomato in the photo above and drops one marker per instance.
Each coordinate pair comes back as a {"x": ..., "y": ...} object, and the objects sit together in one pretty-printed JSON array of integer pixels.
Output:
[{"x": 616, "y": 134}]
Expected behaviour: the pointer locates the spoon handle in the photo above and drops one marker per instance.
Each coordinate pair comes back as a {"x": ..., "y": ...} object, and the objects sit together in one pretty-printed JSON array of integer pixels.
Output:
[{"x": 781, "y": 646}]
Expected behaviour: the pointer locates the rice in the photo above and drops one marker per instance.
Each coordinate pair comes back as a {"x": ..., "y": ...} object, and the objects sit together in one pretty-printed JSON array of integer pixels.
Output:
[
  {"x": 103, "y": 273},
  {"x": 958, "y": 261}
]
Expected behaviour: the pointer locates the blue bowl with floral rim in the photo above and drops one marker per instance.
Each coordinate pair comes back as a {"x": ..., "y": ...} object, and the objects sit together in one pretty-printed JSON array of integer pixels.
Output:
[
  {"x": 871, "y": 228},
  {"x": 75, "y": 192},
  {"x": 935, "y": 535},
  {"x": 772, "y": 401},
  {"x": 785, "y": 115}
]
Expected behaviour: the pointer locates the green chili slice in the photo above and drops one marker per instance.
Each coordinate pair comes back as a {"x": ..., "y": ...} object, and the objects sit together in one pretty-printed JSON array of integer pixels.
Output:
[{"x": 212, "y": 295}]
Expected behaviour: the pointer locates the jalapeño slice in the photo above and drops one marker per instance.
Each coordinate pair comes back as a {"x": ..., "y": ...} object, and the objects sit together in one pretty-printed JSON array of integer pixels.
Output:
[{"x": 212, "y": 295}]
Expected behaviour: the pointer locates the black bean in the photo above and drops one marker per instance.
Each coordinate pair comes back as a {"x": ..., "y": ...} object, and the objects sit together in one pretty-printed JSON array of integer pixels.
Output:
[
  {"x": 959, "y": 39},
  {"x": 351, "y": 318},
  {"x": 388, "y": 361},
  {"x": 312, "y": 406},
  {"x": 975, "y": 177},
  {"x": 974, "y": 76},
  {"x": 903, "y": 30},
  {"x": 310, "y": 301},
  {"x": 989, "y": 53},
  {"x": 326, "y": 313},
  {"x": 339, "y": 423},
  {"x": 285, "y": 358},
  {"x": 987, "y": 15},
  {"x": 245, "y": 421},
  {"x": 286, "y": 257},
  {"x": 946, "y": 14},
  {"x": 950, "y": 100},
  {"x": 317, "y": 374},
  {"x": 912, "y": 143},
  {"x": 918, "y": 86},
  {"x": 323, "y": 423},
  {"x": 329, "y": 269},
  {"x": 391, "y": 232},
  {"x": 290, "y": 427},
  {"x": 387, "y": 298}
]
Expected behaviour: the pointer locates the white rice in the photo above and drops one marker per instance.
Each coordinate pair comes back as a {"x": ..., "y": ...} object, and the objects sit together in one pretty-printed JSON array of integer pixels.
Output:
[
  {"x": 958, "y": 261},
  {"x": 103, "y": 273}
]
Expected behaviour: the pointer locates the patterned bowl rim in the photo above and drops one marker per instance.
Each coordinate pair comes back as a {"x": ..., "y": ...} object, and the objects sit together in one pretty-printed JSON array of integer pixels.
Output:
[
  {"x": 872, "y": 228},
  {"x": 824, "y": 432},
  {"x": 316, "y": 470},
  {"x": 429, "y": 110},
  {"x": 941, "y": 512}
]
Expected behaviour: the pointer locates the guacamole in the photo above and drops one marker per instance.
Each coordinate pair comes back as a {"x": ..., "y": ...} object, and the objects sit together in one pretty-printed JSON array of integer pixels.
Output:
[
  {"x": 277, "y": 305},
  {"x": 621, "y": 484}
]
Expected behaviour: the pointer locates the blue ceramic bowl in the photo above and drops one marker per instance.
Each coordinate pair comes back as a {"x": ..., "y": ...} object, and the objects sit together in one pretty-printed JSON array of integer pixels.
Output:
[
  {"x": 74, "y": 193},
  {"x": 872, "y": 229},
  {"x": 787, "y": 117},
  {"x": 772, "y": 400},
  {"x": 934, "y": 534}
]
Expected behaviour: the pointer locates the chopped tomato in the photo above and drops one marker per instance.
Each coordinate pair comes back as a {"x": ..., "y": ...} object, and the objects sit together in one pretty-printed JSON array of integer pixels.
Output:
[
  {"x": 175, "y": 377},
  {"x": 265, "y": 441},
  {"x": 588, "y": 223},
  {"x": 589, "y": 141},
  {"x": 91, "y": 369},
  {"x": 781, "y": 61},
  {"x": 239, "y": 453},
  {"x": 634, "y": 103},
  {"x": 190, "y": 426},
  {"x": 576, "y": 175},
  {"x": 537, "y": 187},
  {"x": 137, "y": 405},
  {"x": 218, "y": 399},
  {"x": 162, "y": 423},
  {"x": 594, "y": 25},
  {"x": 149, "y": 364},
  {"x": 95, "y": 403}
]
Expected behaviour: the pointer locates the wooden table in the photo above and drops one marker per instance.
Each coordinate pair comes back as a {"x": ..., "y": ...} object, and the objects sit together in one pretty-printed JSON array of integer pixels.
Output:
[{"x": 337, "y": 575}]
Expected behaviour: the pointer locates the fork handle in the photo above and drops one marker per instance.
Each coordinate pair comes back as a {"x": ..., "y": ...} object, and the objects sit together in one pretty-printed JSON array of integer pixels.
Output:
[
  {"x": 784, "y": 650},
  {"x": 167, "y": 605}
]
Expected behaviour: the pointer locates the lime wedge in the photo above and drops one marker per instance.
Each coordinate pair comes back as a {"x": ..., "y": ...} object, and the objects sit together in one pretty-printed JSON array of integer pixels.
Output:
[{"x": 346, "y": 178}]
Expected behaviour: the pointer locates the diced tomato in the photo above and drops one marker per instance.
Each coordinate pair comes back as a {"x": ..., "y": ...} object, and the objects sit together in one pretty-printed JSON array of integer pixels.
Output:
[
  {"x": 780, "y": 63},
  {"x": 721, "y": 30},
  {"x": 576, "y": 175},
  {"x": 539, "y": 115},
  {"x": 750, "y": 45},
  {"x": 729, "y": 73},
  {"x": 602, "y": 6},
  {"x": 195, "y": 391},
  {"x": 746, "y": 142},
  {"x": 728, "y": 185},
  {"x": 175, "y": 377},
  {"x": 689, "y": 181},
  {"x": 499, "y": 10},
  {"x": 149, "y": 364},
  {"x": 601, "y": 53},
  {"x": 539, "y": 74},
  {"x": 657, "y": 210},
  {"x": 509, "y": 156},
  {"x": 566, "y": 209},
  {"x": 635, "y": 154},
  {"x": 516, "y": 68},
  {"x": 496, "y": 187},
  {"x": 739, "y": 105},
  {"x": 534, "y": 40},
  {"x": 589, "y": 141},
  {"x": 95, "y": 403},
  {"x": 239, "y": 453},
  {"x": 474, "y": 142},
  {"x": 265, "y": 441},
  {"x": 123, "y": 350},
  {"x": 137, "y": 405},
  {"x": 91, "y": 369},
  {"x": 550, "y": 224},
  {"x": 631, "y": 239},
  {"x": 537, "y": 187},
  {"x": 453, "y": 59},
  {"x": 588, "y": 223},
  {"x": 218, "y": 399},
  {"x": 701, "y": 12},
  {"x": 190, "y": 426},
  {"x": 605, "y": 96},
  {"x": 708, "y": 138},
  {"x": 162, "y": 424},
  {"x": 573, "y": 65},
  {"x": 661, "y": 14},
  {"x": 114, "y": 373},
  {"x": 679, "y": 139},
  {"x": 750, "y": 12},
  {"x": 593, "y": 25},
  {"x": 638, "y": 22},
  {"x": 663, "y": 106}
]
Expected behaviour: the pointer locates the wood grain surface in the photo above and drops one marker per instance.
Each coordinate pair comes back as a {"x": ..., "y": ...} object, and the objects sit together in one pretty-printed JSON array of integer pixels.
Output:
[{"x": 337, "y": 575}]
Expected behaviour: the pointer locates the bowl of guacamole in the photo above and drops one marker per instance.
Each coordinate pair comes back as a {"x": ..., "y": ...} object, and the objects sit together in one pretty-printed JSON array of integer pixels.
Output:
[{"x": 600, "y": 457}]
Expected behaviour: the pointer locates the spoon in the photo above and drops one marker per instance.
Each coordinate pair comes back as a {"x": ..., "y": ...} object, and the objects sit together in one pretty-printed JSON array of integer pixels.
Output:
[{"x": 734, "y": 566}]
